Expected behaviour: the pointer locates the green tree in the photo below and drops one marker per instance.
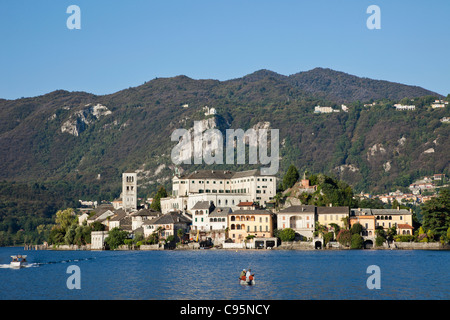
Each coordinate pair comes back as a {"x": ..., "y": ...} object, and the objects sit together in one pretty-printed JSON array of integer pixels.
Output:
[
  {"x": 66, "y": 218},
  {"x": 327, "y": 237},
  {"x": 357, "y": 241},
  {"x": 156, "y": 204},
  {"x": 287, "y": 234},
  {"x": 356, "y": 228},
  {"x": 344, "y": 237},
  {"x": 70, "y": 235},
  {"x": 291, "y": 177},
  {"x": 180, "y": 234},
  {"x": 116, "y": 238},
  {"x": 436, "y": 214}
]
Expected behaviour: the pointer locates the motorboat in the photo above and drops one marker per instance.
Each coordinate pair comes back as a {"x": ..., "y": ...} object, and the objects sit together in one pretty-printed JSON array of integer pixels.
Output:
[{"x": 18, "y": 261}]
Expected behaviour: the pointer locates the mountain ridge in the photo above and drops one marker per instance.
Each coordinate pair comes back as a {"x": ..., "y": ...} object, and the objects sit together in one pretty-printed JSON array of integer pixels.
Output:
[{"x": 77, "y": 136}]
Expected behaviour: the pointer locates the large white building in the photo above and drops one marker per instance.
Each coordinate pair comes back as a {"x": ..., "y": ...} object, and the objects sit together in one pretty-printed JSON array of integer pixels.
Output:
[{"x": 222, "y": 188}]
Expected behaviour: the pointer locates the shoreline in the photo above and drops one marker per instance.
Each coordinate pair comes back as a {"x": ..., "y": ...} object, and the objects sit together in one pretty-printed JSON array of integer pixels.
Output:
[{"x": 288, "y": 246}]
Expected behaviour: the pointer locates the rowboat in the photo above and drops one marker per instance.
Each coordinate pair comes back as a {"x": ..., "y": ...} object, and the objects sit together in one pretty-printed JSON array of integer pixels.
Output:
[
  {"x": 18, "y": 261},
  {"x": 247, "y": 283}
]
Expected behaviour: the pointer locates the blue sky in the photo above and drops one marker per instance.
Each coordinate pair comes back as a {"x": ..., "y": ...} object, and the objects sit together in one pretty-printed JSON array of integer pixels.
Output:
[{"x": 122, "y": 44}]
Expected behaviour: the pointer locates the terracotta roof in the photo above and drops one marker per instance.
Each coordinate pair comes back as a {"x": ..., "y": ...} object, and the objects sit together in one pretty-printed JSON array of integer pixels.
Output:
[
  {"x": 404, "y": 226},
  {"x": 244, "y": 204}
]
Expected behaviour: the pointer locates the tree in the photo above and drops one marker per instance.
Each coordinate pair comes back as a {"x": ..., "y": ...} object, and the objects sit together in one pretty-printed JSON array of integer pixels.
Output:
[
  {"x": 436, "y": 214},
  {"x": 327, "y": 237},
  {"x": 180, "y": 234},
  {"x": 70, "y": 235},
  {"x": 291, "y": 177},
  {"x": 357, "y": 241},
  {"x": 356, "y": 228},
  {"x": 344, "y": 237},
  {"x": 156, "y": 204},
  {"x": 65, "y": 218},
  {"x": 287, "y": 234},
  {"x": 116, "y": 238}
]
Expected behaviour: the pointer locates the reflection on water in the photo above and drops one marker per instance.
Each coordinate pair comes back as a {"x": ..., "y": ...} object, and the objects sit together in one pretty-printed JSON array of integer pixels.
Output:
[{"x": 214, "y": 275}]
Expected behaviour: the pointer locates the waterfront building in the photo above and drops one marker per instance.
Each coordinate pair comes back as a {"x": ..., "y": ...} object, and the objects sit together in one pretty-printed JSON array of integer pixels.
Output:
[
  {"x": 370, "y": 219},
  {"x": 330, "y": 215},
  {"x": 167, "y": 225},
  {"x": 98, "y": 239},
  {"x": 242, "y": 223},
  {"x": 200, "y": 215},
  {"x": 218, "y": 223},
  {"x": 299, "y": 218}
]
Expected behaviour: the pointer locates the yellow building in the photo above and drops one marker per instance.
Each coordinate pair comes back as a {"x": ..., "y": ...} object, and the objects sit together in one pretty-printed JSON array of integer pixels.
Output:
[
  {"x": 370, "y": 219},
  {"x": 329, "y": 215},
  {"x": 242, "y": 223}
]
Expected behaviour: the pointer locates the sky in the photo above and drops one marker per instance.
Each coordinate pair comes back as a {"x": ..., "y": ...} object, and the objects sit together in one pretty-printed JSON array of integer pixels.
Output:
[{"x": 123, "y": 44}]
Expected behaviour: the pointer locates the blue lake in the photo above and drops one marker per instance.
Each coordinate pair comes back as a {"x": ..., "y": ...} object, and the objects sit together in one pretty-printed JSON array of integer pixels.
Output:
[{"x": 212, "y": 275}]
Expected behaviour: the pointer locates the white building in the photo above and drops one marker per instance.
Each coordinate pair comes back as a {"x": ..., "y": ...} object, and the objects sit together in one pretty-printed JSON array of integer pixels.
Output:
[
  {"x": 98, "y": 239},
  {"x": 139, "y": 217},
  {"x": 209, "y": 111},
  {"x": 402, "y": 107},
  {"x": 319, "y": 109},
  {"x": 439, "y": 104},
  {"x": 222, "y": 188},
  {"x": 299, "y": 218}
]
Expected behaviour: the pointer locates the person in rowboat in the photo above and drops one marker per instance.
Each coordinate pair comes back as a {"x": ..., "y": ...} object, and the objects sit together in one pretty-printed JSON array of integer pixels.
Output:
[
  {"x": 242, "y": 276},
  {"x": 249, "y": 275}
]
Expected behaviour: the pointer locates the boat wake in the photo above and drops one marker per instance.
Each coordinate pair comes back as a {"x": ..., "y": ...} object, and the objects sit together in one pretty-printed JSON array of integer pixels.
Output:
[
  {"x": 38, "y": 264},
  {"x": 8, "y": 266}
]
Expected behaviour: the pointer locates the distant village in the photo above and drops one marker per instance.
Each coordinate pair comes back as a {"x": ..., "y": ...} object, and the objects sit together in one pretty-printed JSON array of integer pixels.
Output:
[
  {"x": 437, "y": 104},
  {"x": 421, "y": 191},
  {"x": 234, "y": 210}
]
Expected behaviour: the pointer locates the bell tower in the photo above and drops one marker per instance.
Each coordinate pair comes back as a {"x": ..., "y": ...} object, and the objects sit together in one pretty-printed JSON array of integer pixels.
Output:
[{"x": 129, "y": 191}]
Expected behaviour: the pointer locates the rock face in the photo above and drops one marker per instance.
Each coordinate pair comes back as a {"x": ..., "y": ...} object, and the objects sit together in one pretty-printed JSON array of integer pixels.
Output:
[{"x": 79, "y": 120}]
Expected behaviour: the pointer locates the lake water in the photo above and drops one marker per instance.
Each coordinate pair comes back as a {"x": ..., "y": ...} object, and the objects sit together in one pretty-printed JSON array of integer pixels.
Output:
[{"x": 212, "y": 275}]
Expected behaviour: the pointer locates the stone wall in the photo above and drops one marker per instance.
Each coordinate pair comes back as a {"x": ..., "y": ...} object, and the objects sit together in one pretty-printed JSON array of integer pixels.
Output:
[{"x": 419, "y": 246}]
